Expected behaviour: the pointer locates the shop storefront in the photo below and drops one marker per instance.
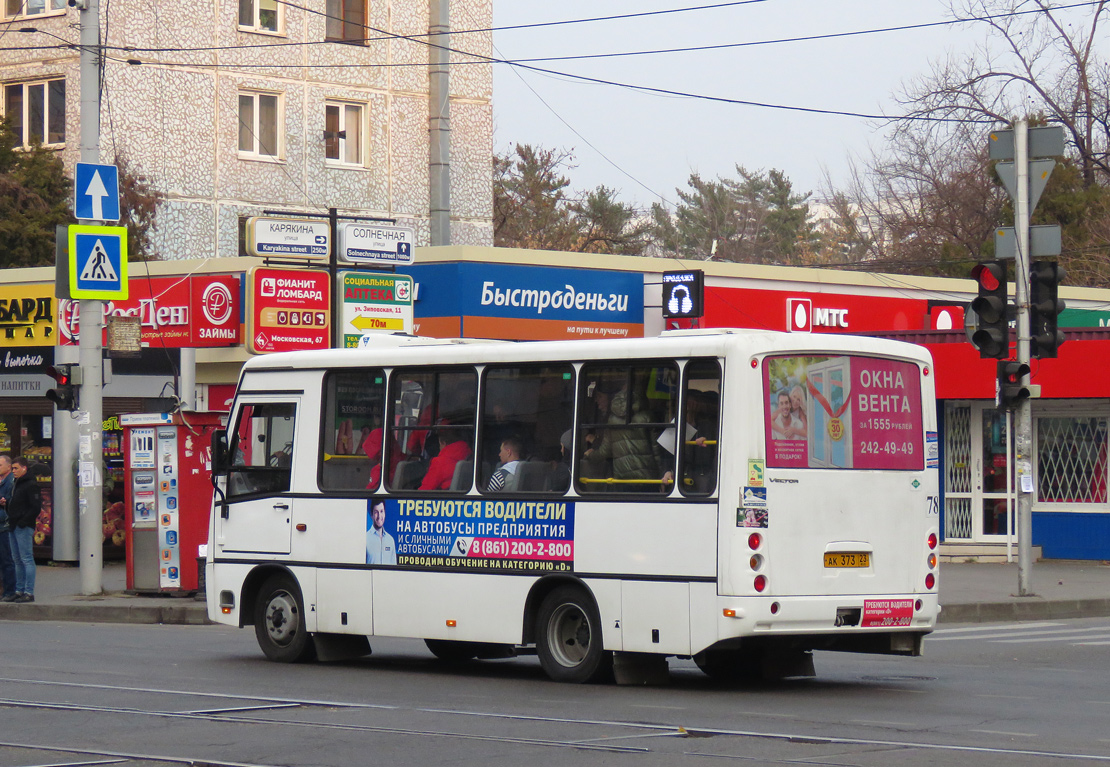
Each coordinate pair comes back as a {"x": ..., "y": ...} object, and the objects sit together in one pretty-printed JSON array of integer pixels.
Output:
[{"x": 531, "y": 295}]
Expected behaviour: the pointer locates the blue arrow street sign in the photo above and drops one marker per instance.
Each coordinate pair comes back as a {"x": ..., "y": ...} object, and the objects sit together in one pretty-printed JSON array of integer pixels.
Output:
[
  {"x": 96, "y": 192},
  {"x": 98, "y": 262}
]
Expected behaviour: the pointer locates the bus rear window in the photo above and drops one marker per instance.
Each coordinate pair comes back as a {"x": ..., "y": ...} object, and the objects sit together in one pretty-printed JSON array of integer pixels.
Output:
[{"x": 843, "y": 412}]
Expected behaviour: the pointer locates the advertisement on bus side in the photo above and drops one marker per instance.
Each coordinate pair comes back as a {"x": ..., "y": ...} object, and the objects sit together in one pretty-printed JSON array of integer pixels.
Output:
[
  {"x": 474, "y": 535},
  {"x": 843, "y": 412}
]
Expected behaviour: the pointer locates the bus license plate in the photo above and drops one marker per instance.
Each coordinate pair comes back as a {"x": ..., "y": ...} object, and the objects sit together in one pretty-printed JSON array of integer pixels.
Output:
[{"x": 847, "y": 559}]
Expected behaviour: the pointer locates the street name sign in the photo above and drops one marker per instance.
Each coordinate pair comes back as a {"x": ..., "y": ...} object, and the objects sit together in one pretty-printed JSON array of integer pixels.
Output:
[
  {"x": 289, "y": 237},
  {"x": 361, "y": 243},
  {"x": 96, "y": 192},
  {"x": 97, "y": 262}
]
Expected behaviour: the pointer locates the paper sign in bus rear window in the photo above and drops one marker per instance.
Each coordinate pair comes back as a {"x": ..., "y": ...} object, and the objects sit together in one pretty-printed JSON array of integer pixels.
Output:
[{"x": 843, "y": 413}]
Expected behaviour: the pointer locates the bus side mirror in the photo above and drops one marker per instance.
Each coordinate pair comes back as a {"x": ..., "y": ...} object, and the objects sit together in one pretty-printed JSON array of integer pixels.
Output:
[{"x": 220, "y": 462}]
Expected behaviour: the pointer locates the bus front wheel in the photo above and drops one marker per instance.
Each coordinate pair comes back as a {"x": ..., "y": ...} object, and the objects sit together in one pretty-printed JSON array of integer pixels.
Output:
[
  {"x": 568, "y": 636},
  {"x": 279, "y": 621}
]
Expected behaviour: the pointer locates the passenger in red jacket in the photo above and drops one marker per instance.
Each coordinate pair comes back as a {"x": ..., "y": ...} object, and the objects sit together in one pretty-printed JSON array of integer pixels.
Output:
[{"x": 452, "y": 449}]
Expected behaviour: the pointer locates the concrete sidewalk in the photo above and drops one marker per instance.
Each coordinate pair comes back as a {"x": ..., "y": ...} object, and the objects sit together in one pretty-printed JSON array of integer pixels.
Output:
[{"x": 969, "y": 593}]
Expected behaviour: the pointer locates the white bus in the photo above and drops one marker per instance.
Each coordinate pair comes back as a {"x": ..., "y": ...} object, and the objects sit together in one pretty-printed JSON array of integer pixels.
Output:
[{"x": 739, "y": 497}]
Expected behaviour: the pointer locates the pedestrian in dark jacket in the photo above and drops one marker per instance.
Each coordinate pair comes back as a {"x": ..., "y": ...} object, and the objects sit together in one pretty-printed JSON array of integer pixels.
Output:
[
  {"x": 7, "y": 565},
  {"x": 23, "y": 512}
]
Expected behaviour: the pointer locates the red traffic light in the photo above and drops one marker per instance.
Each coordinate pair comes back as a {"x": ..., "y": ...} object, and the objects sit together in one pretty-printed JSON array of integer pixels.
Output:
[
  {"x": 59, "y": 374},
  {"x": 987, "y": 275}
]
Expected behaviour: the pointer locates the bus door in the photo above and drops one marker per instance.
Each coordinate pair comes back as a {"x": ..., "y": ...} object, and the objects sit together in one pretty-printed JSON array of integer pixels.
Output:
[{"x": 255, "y": 512}]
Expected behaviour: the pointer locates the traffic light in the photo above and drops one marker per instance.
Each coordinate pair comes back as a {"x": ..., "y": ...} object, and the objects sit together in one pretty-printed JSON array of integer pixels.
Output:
[
  {"x": 992, "y": 329},
  {"x": 64, "y": 395},
  {"x": 1044, "y": 308},
  {"x": 1011, "y": 390}
]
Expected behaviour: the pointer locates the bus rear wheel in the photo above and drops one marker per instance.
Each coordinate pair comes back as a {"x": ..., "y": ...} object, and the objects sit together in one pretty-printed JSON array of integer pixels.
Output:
[
  {"x": 279, "y": 621},
  {"x": 568, "y": 637}
]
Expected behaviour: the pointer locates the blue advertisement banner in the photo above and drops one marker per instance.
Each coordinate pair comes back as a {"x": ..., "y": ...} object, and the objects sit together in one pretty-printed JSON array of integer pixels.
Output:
[
  {"x": 475, "y": 535},
  {"x": 528, "y": 292}
]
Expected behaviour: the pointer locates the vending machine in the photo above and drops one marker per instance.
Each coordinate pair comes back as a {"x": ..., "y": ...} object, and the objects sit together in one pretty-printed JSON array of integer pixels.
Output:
[{"x": 168, "y": 470}]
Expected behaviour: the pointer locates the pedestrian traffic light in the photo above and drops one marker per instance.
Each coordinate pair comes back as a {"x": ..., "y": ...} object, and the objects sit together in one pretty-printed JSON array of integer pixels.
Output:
[
  {"x": 67, "y": 377},
  {"x": 1044, "y": 308},
  {"x": 1011, "y": 390},
  {"x": 992, "y": 329}
]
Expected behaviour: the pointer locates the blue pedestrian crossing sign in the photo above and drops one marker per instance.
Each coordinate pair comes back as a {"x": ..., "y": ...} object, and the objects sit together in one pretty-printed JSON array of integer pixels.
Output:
[
  {"x": 96, "y": 192},
  {"x": 98, "y": 262}
]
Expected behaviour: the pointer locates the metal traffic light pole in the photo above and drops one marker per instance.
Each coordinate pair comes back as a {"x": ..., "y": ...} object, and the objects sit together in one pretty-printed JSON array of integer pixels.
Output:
[
  {"x": 90, "y": 452},
  {"x": 1023, "y": 415}
]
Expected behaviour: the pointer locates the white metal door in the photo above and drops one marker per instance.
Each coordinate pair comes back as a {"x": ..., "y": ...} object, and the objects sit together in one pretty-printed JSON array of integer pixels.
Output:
[{"x": 977, "y": 465}]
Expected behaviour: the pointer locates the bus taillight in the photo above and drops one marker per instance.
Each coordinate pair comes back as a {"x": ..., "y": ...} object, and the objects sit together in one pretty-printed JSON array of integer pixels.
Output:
[
  {"x": 930, "y": 581},
  {"x": 756, "y": 561},
  {"x": 761, "y": 583},
  {"x": 932, "y": 561},
  {"x": 754, "y": 541},
  {"x": 932, "y": 540}
]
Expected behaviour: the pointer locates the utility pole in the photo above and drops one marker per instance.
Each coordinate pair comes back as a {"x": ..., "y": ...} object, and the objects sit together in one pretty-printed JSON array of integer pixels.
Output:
[
  {"x": 1023, "y": 415},
  {"x": 1024, "y": 180},
  {"x": 439, "y": 122},
  {"x": 90, "y": 451}
]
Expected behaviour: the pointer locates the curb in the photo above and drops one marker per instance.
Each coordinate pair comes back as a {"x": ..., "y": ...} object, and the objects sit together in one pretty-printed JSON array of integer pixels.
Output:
[
  {"x": 1032, "y": 609},
  {"x": 181, "y": 615}
]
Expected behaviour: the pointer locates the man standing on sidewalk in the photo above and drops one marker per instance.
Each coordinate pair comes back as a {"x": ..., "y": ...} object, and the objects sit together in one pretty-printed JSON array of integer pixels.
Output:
[
  {"x": 7, "y": 566},
  {"x": 23, "y": 512}
]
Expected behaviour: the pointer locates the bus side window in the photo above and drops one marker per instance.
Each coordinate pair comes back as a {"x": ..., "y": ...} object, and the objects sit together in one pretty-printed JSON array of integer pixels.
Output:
[
  {"x": 527, "y": 414},
  {"x": 262, "y": 450},
  {"x": 432, "y": 429},
  {"x": 625, "y": 412},
  {"x": 353, "y": 438},
  {"x": 701, "y": 410}
]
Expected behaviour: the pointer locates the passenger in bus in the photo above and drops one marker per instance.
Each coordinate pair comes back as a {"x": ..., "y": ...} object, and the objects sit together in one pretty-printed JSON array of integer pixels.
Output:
[
  {"x": 380, "y": 547},
  {"x": 559, "y": 478},
  {"x": 633, "y": 452},
  {"x": 453, "y": 448},
  {"x": 511, "y": 449},
  {"x": 372, "y": 447}
]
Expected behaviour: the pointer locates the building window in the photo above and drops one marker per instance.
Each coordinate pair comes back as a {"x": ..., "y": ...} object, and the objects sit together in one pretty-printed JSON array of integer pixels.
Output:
[
  {"x": 32, "y": 7},
  {"x": 343, "y": 133},
  {"x": 37, "y": 111},
  {"x": 259, "y": 15},
  {"x": 259, "y": 117},
  {"x": 1071, "y": 459},
  {"x": 346, "y": 20}
]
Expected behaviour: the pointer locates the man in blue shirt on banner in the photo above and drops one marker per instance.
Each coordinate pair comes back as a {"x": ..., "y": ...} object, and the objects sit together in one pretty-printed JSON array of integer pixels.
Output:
[{"x": 380, "y": 548}]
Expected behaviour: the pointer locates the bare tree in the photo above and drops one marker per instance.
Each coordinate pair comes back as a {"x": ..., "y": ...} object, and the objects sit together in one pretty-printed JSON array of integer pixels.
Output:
[{"x": 1036, "y": 61}]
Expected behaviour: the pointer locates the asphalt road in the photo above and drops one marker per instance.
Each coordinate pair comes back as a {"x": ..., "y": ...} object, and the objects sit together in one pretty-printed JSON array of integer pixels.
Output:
[{"x": 997, "y": 694}]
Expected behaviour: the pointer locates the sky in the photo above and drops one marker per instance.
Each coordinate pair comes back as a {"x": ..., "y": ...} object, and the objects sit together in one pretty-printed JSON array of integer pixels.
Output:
[{"x": 646, "y": 145}]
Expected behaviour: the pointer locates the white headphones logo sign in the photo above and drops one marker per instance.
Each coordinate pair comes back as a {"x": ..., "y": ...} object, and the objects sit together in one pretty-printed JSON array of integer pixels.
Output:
[
  {"x": 683, "y": 294},
  {"x": 683, "y": 305}
]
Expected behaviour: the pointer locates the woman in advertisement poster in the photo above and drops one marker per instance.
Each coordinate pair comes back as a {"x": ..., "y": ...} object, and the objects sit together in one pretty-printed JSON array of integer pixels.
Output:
[
  {"x": 798, "y": 412},
  {"x": 788, "y": 419}
]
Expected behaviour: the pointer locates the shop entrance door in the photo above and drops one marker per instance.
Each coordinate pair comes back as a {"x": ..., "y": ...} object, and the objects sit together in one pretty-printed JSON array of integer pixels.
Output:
[{"x": 976, "y": 465}]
